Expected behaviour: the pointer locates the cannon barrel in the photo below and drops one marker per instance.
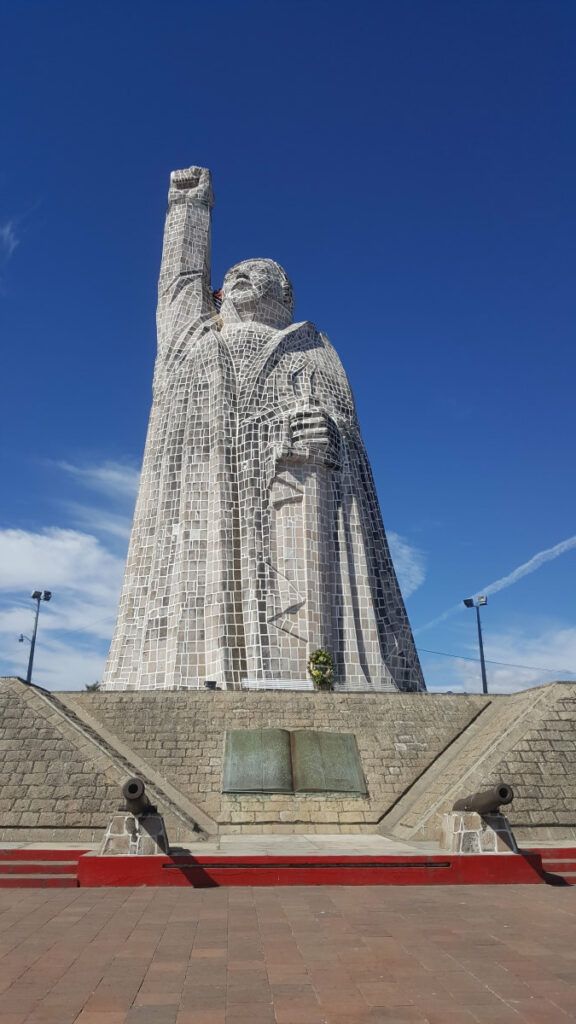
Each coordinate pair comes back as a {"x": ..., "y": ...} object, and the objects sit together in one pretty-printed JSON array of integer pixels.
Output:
[
  {"x": 134, "y": 793},
  {"x": 488, "y": 801}
]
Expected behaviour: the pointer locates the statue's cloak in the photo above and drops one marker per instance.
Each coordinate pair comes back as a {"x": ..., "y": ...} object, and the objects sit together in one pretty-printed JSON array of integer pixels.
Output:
[
  {"x": 257, "y": 535},
  {"x": 317, "y": 570}
]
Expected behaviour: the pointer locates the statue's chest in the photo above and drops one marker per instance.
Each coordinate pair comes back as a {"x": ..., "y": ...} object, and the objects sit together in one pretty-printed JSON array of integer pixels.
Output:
[{"x": 246, "y": 346}]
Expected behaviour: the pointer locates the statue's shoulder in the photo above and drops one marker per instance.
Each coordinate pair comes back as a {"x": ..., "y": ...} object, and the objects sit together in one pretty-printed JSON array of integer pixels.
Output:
[
  {"x": 312, "y": 344},
  {"x": 303, "y": 344},
  {"x": 307, "y": 335},
  {"x": 302, "y": 334}
]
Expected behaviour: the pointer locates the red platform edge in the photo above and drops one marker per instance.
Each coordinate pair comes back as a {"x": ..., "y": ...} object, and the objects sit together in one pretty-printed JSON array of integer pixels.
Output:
[
  {"x": 27, "y": 868},
  {"x": 209, "y": 872}
]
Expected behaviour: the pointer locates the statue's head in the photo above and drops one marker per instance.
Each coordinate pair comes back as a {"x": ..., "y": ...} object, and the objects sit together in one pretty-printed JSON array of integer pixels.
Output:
[{"x": 260, "y": 291}]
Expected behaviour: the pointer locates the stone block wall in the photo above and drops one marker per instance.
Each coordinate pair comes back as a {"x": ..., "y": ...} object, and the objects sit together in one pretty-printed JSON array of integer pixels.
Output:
[
  {"x": 58, "y": 781},
  {"x": 50, "y": 779},
  {"x": 64, "y": 756},
  {"x": 527, "y": 739},
  {"x": 542, "y": 763},
  {"x": 181, "y": 735}
]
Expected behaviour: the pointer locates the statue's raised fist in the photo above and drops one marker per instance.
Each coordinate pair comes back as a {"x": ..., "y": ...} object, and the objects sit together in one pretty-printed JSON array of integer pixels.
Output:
[{"x": 191, "y": 183}]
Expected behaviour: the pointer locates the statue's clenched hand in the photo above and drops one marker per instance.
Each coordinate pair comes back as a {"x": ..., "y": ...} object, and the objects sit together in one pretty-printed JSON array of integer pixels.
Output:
[
  {"x": 192, "y": 183},
  {"x": 313, "y": 431}
]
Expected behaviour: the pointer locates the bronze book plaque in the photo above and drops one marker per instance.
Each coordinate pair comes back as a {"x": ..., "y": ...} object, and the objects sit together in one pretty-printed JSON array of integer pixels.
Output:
[
  {"x": 257, "y": 761},
  {"x": 326, "y": 762},
  {"x": 303, "y": 761}
]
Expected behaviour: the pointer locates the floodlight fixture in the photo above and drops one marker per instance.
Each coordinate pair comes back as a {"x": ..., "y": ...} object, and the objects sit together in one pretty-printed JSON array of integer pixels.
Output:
[
  {"x": 478, "y": 603},
  {"x": 38, "y": 596}
]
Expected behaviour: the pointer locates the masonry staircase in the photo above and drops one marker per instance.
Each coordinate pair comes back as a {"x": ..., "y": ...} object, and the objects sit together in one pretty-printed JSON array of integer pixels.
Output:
[
  {"x": 39, "y": 869},
  {"x": 559, "y": 864},
  {"x": 175, "y": 806},
  {"x": 465, "y": 765},
  {"x": 158, "y": 788}
]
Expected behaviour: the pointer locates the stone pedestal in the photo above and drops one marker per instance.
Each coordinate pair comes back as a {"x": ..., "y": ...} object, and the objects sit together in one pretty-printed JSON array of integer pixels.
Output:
[
  {"x": 469, "y": 832},
  {"x": 127, "y": 834}
]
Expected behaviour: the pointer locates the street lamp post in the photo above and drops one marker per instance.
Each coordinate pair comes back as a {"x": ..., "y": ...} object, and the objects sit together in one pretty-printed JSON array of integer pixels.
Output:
[
  {"x": 37, "y": 595},
  {"x": 480, "y": 601}
]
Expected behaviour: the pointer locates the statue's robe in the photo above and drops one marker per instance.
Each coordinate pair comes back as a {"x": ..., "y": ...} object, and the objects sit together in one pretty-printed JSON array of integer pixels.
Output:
[
  {"x": 316, "y": 568},
  {"x": 253, "y": 542},
  {"x": 178, "y": 608}
]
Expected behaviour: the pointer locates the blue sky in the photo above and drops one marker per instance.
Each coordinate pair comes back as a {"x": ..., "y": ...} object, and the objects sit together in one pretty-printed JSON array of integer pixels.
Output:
[{"x": 412, "y": 166}]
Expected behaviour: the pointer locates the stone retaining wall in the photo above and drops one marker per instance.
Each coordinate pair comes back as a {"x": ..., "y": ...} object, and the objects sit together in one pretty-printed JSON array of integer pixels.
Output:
[
  {"x": 527, "y": 739},
  {"x": 63, "y": 757},
  {"x": 57, "y": 781},
  {"x": 181, "y": 734}
]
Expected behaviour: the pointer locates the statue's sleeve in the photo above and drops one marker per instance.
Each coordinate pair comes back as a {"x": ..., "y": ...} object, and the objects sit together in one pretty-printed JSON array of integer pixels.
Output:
[
  {"x": 184, "y": 293},
  {"x": 315, "y": 403}
]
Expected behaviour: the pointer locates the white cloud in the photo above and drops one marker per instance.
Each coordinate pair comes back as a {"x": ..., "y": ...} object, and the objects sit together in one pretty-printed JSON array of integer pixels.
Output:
[
  {"x": 529, "y": 657},
  {"x": 409, "y": 563},
  {"x": 100, "y": 520},
  {"x": 75, "y": 626},
  {"x": 115, "y": 486},
  {"x": 83, "y": 565},
  {"x": 8, "y": 239},
  {"x": 548, "y": 555},
  {"x": 59, "y": 665},
  {"x": 68, "y": 559},
  {"x": 540, "y": 558},
  {"x": 113, "y": 479}
]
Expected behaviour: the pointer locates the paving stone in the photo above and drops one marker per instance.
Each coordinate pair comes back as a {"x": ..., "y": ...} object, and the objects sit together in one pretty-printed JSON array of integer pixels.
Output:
[{"x": 451, "y": 955}]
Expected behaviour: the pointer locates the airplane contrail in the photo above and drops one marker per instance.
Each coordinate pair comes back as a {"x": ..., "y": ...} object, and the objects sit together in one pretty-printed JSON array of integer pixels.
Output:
[{"x": 548, "y": 555}]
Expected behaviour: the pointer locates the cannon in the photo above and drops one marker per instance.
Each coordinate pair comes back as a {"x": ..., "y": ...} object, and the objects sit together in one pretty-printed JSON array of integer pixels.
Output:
[
  {"x": 487, "y": 802},
  {"x": 136, "y": 800},
  {"x": 136, "y": 827}
]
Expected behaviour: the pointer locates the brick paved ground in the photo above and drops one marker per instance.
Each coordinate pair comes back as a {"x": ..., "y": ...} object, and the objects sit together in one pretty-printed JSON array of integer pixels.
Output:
[{"x": 449, "y": 955}]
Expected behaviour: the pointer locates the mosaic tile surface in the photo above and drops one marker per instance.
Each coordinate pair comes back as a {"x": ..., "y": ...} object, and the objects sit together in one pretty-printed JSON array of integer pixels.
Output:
[{"x": 257, "y": 534}]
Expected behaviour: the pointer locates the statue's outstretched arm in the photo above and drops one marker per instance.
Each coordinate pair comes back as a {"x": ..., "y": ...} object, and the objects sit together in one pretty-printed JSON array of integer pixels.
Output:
[{"x": 184, "y": 286}]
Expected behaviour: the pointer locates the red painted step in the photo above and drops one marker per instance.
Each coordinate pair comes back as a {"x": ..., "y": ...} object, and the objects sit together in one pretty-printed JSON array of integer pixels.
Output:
[
  {"x": 559, "y": 864},
  {"x": 51, "y": 854},
  {"x": 40, "y": 869},
  {"x": 34, "y": 867},
  {"x": 38, "y": 881},
  {"x": 555, "y": 851}
]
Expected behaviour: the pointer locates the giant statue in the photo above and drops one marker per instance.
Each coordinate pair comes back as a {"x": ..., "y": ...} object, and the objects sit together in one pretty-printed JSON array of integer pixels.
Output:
[{"x": 257, "y": 535}]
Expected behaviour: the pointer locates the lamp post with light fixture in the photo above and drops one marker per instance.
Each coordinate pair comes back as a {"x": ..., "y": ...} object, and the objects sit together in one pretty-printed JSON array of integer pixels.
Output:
[
  {"x": 37, "y": 595},
  {"x": 478, "y": 603}
]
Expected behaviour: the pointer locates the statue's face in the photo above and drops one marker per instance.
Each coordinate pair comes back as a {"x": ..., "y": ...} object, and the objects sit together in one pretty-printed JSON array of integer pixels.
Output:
[
  {"x": 256, "y": 289},
  {"x": 251, "y": 281}
]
